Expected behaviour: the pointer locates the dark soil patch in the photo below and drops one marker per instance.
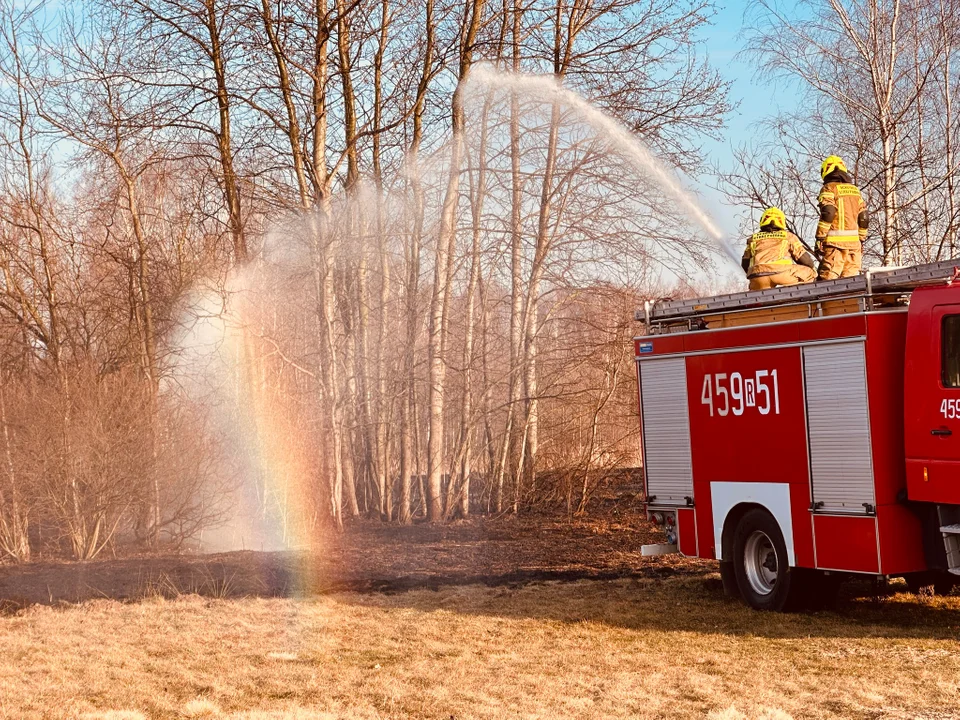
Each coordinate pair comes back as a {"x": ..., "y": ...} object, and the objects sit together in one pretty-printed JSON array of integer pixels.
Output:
[{"x": 371, "y": 556}]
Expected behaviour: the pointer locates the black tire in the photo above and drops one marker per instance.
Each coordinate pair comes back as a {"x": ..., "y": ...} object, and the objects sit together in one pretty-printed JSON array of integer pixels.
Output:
[
  {"x": 766, "y": 580},
  {"x": 728, "y": 576},
  {"x": 929, "y": 583}
]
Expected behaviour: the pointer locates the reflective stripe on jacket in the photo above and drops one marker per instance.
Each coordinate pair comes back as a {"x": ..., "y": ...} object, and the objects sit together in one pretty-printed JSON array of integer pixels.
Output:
[
  {"x": 768, "y": 252},
  {"x": 843, "y": 236},
  {"x": 841, "y": 209}
]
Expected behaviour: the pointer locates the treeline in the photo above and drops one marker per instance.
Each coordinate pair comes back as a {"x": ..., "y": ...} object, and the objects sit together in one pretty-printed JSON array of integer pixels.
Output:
[
  {"x": 877, "y": 82},
  {"x": 289, "y": 254}
]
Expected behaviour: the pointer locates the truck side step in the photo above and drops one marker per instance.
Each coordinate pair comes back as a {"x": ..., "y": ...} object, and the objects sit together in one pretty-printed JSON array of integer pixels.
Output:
[
  {"x": 950, "y": 529},
  {"x": 647, "y": 550},
  {"x": 951, "y": 542}
]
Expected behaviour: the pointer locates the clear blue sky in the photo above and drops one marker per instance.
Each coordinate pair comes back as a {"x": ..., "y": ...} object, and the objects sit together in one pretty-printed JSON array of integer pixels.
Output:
[{"x": 721, "y": 42}]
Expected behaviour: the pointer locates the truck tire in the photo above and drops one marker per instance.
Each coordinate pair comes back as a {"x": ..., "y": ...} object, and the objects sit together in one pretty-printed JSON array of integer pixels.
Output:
[
  {"x": 728, "y": 576},
  {"x": 764, "y": 575}
]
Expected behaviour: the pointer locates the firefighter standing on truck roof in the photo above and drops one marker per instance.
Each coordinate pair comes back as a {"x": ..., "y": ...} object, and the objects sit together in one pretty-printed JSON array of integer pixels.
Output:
[
  {"x": 775, "y": 256},
  {"x": 843, "y": 222}
]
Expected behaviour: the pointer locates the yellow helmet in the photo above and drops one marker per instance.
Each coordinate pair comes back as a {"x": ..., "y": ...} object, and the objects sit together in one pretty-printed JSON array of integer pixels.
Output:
[
  {"x": 774, "y": 216},
  {"x": 834, "y": 162}
]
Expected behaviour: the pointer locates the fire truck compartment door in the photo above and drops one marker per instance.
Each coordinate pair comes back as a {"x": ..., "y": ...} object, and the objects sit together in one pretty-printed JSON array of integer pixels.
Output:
[
  {"x": 666, "y": 430},
  {"x": 932, "y": 408},
  {"x": 838, "y": 428}
]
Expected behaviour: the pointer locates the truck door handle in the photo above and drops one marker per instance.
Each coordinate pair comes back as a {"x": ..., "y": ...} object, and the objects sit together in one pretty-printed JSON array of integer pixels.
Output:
[{"x": 942, "y": 432}]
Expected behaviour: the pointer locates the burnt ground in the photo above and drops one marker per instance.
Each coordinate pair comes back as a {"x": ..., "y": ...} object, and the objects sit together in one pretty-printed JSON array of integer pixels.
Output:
[{"x": 373, "y": 556}]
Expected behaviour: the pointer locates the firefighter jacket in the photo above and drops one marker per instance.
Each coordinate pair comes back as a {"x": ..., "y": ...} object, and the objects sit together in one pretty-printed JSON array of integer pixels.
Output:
[
  {"x": 843, "y": 214},
  {"x": 770, "y": 252}
]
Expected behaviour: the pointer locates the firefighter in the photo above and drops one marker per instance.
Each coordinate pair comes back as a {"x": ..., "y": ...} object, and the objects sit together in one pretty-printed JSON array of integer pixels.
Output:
[
  {"x": 775, "y": 256},
  {"x": 843, "y": 222}
]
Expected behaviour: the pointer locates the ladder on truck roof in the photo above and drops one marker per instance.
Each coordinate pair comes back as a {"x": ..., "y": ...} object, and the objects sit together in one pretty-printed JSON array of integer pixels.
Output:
[{"x": 877, "y": 287}]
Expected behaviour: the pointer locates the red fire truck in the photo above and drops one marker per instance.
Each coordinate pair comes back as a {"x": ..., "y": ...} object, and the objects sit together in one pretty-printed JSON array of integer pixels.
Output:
[{"x": 804, "y": 433}]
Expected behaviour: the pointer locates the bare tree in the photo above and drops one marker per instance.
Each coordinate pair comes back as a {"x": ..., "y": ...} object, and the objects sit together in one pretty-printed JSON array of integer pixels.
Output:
[{"x": 872, "y": 76}]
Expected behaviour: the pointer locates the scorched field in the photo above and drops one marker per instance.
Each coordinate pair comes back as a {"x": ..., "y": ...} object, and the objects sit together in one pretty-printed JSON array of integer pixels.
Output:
[{"x": 486, "y": 619}]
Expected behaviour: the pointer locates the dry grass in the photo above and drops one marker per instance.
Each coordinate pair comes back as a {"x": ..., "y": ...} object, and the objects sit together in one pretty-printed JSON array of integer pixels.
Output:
[{"x": 624, "y": 648}]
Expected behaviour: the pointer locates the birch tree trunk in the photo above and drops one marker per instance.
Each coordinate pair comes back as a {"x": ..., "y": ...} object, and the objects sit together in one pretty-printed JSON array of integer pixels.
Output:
[
  {"x": 443, "y": 255},
  {"x": 231, "y": 189},
  {"x": 507, "y": 448},
  {"x": 14, "y": 511},
  {"x": 384, "y": 408},
  {"x": 324, "y": 246},
  {"x": 464, "y": 452},
  {"x": 409, "y": 455}
]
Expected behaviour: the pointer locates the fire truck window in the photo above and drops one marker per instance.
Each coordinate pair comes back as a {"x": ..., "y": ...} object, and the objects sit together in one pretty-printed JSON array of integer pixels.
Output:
[{"x": 950, "y": 351}]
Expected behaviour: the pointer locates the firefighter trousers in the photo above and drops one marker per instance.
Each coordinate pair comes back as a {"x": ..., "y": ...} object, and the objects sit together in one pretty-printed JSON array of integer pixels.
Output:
[
  {"x": 840, "y": 262},
  {"x": 793, "y": 275}
]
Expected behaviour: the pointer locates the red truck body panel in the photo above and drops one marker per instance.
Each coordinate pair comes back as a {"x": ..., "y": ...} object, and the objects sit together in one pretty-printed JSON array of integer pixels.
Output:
[
  {"x": 751, "y": 396},
  {"x": 932, "y": 461},
  {"x": 725, "y": 446},
  {"x": 753, "y": 336},
  {"x": 687, "y": 535}
]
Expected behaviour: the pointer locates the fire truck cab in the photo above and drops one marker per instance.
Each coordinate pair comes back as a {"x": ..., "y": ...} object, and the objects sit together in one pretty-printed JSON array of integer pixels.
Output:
[{"x": 804, "y": 433}]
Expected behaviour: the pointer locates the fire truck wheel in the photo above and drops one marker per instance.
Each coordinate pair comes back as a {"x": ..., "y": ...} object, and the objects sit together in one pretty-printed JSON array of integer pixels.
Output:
[
  {"x": 728, "y": 576},
  {"x": 760, "y": 562}
]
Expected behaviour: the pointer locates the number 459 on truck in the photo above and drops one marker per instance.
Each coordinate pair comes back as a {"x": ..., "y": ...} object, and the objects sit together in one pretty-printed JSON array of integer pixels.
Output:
[{"x": 804, "y": 433}]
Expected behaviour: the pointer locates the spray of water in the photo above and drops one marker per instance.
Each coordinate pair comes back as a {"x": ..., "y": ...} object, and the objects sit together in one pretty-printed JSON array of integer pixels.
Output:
[
  {"x": 230, "y": 332},
  {"x": 549, "y": 90},
  {"x": 257, "y": 431}
]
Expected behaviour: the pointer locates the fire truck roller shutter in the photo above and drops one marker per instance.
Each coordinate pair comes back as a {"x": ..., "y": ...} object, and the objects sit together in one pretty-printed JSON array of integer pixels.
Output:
[
  {"x": 666, "y": 430},
  {"x": 838, "y": 427}
]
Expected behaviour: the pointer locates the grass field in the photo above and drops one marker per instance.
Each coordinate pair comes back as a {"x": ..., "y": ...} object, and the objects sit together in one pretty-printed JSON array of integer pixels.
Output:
[{"x": 642, "y": 647}]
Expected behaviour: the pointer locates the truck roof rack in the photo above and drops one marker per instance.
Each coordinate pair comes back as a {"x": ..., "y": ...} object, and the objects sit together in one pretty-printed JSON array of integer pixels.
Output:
[{"x": 877, "y": 287}]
